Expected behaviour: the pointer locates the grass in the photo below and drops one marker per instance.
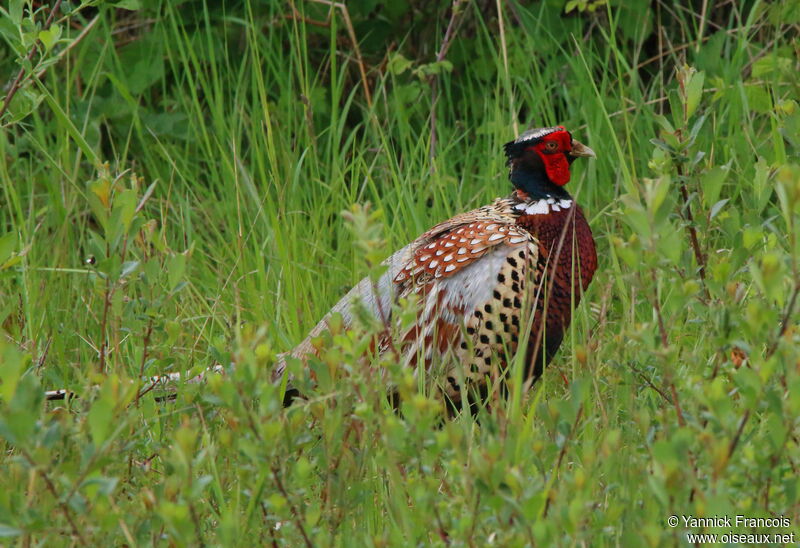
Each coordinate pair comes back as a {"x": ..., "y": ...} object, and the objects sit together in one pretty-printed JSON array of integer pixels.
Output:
[{"x": 672, "y": 395}]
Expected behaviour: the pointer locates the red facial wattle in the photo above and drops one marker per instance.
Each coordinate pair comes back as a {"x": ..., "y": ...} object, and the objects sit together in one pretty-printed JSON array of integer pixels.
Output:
[{"x": 555, "y": 160}]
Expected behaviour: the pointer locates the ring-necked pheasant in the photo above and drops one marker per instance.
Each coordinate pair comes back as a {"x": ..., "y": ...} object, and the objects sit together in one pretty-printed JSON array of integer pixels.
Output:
[{"x": 487, "y": 276}]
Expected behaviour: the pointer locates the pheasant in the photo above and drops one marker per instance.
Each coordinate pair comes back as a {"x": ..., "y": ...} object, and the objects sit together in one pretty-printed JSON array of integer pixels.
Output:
[{"x": 487, "y": 278}]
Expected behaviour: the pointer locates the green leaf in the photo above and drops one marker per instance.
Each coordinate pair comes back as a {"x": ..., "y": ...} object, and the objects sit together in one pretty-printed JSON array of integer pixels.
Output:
[
  {"x": 100, "y": 419},
  {"x": 716, "y": 208},
  {"x": 101, "y": 188},
  {"x": 29, "y": 35},
  {"x": 776, "y": 430},
  {"x": 694, "y": 91},
  {"x": 9, "y": 531},
  {"x": 751, "y": 236},
  {"x": 131, "y": 5},
  {"x": 771, "y": 64},
  {"x": 15, "y": 11},
  {"x": 146, "y": 195},
  {"x": 711, "y": 183},
  {"x": 623, "y": 250},
  {"x": 762, "y": 190},
  {"x": 12, "y": 365},
  {"x": 49, "y": 37},
  {"x": 398, "y": 64},
  {"x": 10, "y": 262},
  {"x": 199, "y": 485},
  {"x": 10, "y": 33},
  {"x": 67, "y": 122},
  {"x": 664, "y": 123},
  {"x": 748, "y": 383},
  {"x": 21, "y": 418},
  {"x": 759, "y": 99},
  {"x": 173, "y": 330},
  {"x": 126, "y": 202},
  {"x": 676, "y": 107},
  {"x": 670, "y": 244},
  {"x": 128, "y": 268},
  {"x": 102, "y": 484},
  {"x": 656, "y": 191},
  {"x": 180, "y": 286},
  {"x": 122, "y": 213},
  {"x": 151, "y": 271},
  {"x": 431, "y": 69},
  {"x": 636, "y": 216},
  {"x": 695, "y": 130},
  {"x": 176, "y": 269},
  {"x": 8, "y": 242},
  {"x": 117, "y": 300},
  {"x": 663, "y": 145},
  {"x": 24, "y": 103}
]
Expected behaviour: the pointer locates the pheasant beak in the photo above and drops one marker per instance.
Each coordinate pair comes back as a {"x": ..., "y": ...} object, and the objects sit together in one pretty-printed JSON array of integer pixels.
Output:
[{"x": 579, "y": 150}]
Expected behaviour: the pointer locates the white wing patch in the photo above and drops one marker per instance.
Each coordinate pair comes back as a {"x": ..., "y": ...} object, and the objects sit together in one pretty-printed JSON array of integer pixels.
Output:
[
  {"x": 543, "y": 206},
  {"x": 472, "y": 286}
]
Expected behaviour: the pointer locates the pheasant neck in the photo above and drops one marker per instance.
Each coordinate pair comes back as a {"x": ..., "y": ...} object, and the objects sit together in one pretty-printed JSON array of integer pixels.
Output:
[{"x": 535, "y": 184}]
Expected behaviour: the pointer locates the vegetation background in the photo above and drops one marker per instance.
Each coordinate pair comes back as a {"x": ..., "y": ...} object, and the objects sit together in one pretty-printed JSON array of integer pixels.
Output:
[{"x": 173, "y": 175}]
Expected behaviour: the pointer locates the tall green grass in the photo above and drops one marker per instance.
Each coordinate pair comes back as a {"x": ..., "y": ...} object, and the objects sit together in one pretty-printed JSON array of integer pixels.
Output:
[{"x": 670, "y": 396}]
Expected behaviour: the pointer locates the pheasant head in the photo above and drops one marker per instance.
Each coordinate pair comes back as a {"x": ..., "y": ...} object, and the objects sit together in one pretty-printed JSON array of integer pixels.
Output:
[{"x": 540, "y": 161}]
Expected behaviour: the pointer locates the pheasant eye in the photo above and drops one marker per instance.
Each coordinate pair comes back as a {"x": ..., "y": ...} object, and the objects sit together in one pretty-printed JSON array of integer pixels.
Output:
[{"x": 551, "y": 145}]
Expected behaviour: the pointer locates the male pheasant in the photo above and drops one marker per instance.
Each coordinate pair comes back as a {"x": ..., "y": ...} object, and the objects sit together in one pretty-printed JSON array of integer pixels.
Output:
[{"x": 487, "y": 276}]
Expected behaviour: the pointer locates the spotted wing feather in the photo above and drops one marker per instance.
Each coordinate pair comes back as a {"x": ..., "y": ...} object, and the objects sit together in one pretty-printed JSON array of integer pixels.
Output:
[
  {"x": 457, "y": 249},
  {"x": 443, "y": 267}
]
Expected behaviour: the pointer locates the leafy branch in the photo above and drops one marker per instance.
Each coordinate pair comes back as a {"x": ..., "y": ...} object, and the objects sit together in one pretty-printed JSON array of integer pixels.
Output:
[{"x": 18, "y": 81}]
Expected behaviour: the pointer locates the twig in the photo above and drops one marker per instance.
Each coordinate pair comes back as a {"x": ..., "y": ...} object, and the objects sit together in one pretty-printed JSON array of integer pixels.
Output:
[
  {"x": 352, "y": 35},
  {"x": 440, "y": 530},
  {"x": 698, "y": 253},
  {"x": 75, "y": 42},
  {"x": 735, "y": 440},
  {"x": 295, "y": 16},
  {"x": 676, "y": 402},
  {"x": 657, "y": 306},
  {"x": 682, "y": 47},
  {"x": 61, "y": 503},
  {"x": 663, "y": 99},
  {"x": 504, "y": 48},
  {"x": 651, "y": 384},
  {"x": 133, "y": 26},
  {"x": 147, "y": 335},
  {"x": 198, "y": 530},
  {"x": 17, "y": 84},
  {"x": 665, "y": 343},
  {"x": 474, "y": 518},
  {"x": 434, "y": 79},
  {"x": 43, "y": 357},
  {"x": 787, "y": 315},
  {"x": 104, "y": 321},
  {"x": 292, "y": 508},
  {"x": 686, "y": 210},
  {"x": 563, "y": 451},
  {"x": 701, "y": 27}
]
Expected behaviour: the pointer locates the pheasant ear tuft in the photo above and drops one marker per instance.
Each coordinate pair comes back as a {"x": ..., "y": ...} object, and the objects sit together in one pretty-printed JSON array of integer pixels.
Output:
[{"x": 513, "y": 150}]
